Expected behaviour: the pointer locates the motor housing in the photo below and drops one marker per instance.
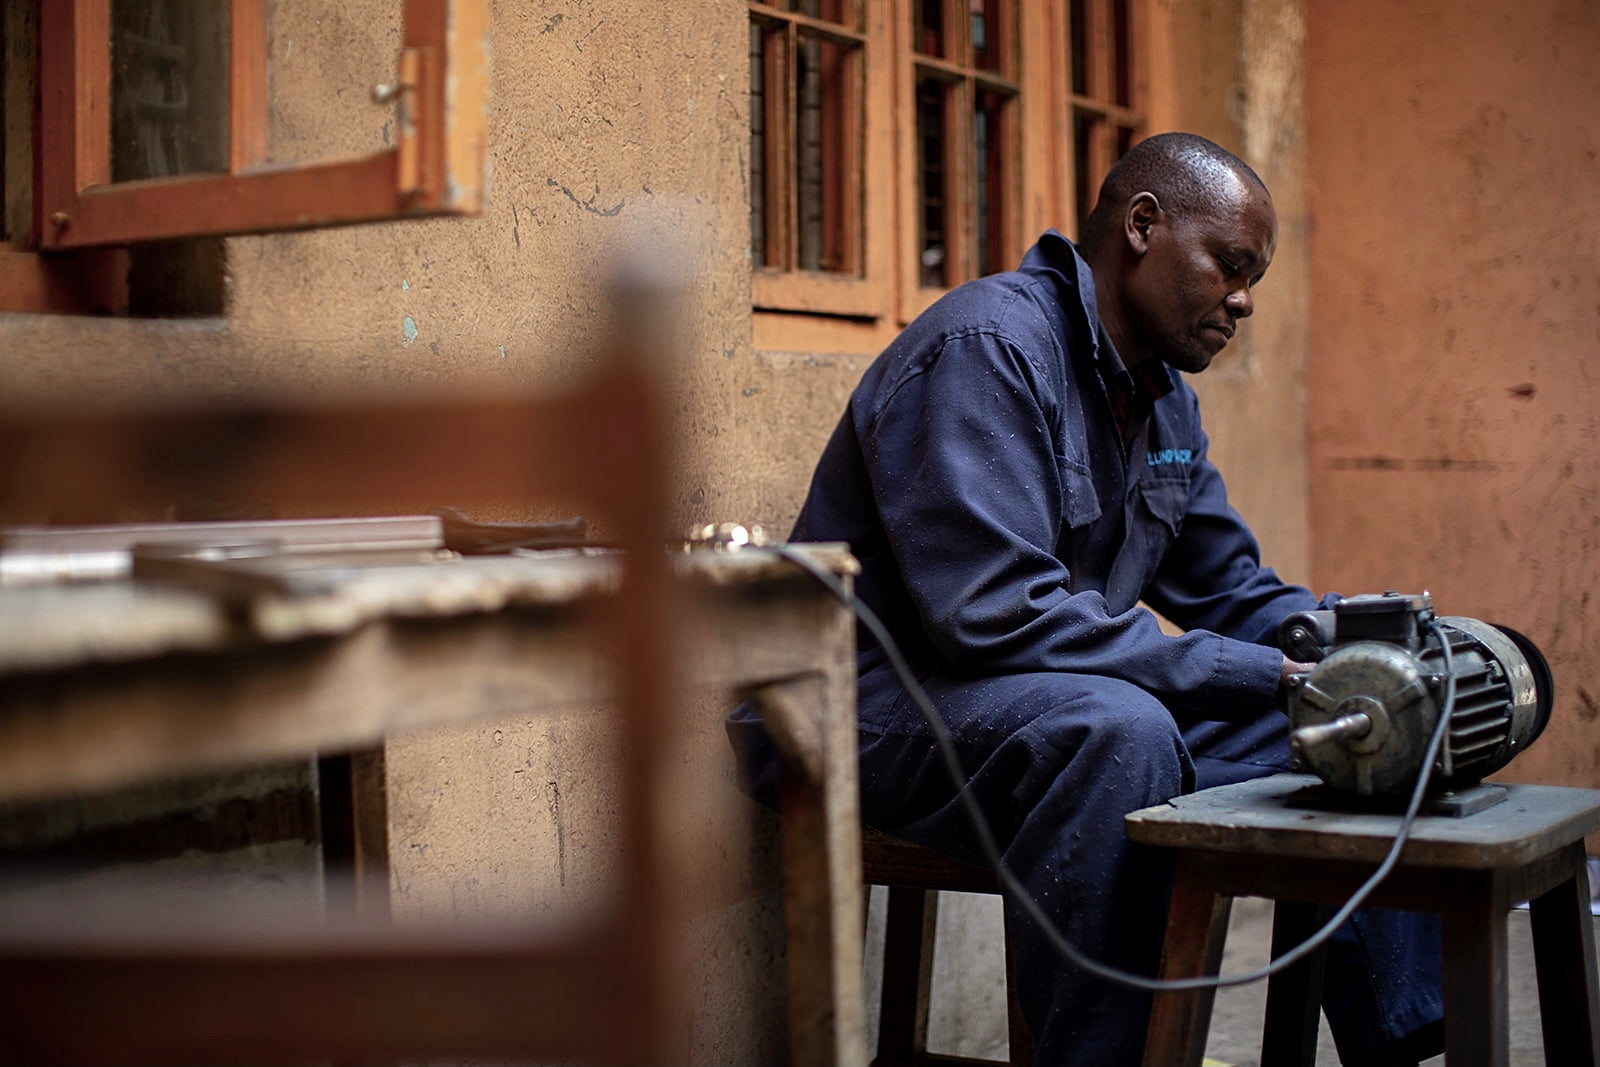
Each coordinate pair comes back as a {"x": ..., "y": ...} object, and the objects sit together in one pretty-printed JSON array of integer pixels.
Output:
[{"x": 1362, "y": 718}]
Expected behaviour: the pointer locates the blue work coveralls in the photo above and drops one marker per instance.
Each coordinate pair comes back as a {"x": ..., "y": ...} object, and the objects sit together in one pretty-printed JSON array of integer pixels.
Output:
[{"x": 1007, "y": 529}]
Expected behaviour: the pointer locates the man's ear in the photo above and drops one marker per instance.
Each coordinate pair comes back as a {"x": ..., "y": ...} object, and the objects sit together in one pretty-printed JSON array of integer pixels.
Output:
[{"x": 1143, "y": 211}]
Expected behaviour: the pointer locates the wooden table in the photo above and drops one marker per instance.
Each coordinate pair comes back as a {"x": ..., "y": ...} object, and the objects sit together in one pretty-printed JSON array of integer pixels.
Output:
[
  {"x": 1258, "y": 838},
  {"x": 109, "y": 684}
]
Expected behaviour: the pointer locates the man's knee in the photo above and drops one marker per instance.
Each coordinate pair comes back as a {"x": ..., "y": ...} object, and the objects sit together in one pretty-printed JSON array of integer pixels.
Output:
[{"x": 1106, "y": 728}]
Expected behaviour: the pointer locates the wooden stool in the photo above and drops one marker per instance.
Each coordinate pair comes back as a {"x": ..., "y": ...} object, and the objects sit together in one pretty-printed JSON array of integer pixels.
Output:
[
  {"x": 1255, "y": 839},
  {"x": 913, "y": 875}
]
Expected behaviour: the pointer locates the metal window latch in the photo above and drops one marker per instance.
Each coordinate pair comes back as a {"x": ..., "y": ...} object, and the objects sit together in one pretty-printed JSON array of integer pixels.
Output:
[{"x": 724, "y": 537}]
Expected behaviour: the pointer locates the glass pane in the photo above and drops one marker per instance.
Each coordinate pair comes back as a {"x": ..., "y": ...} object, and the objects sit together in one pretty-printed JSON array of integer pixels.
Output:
[
  {"x": 325, "y": 60},
  {"x": 17, "y": 46},
  {"x": 169, "y": 88},
  {"x": 994, "y": 177},
  {"x": 932, "y": 184},
  {"x": 1125, "y": 138},
  {"x": 825, "y": 152},
  {"x": 1122, "y": 32},
  {"x": 758, "y": 149},
  {"x": 843, "y": 12},
  {"x": 1076, "y": 55},
  {"x": 927, "y": 32},
  {"x": 990, "y": 27},
  {"x": 1083, "y": 131}
]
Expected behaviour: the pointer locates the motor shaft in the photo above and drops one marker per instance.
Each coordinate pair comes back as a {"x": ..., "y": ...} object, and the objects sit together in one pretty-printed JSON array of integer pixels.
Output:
[{"x": 1356, "y": 724}]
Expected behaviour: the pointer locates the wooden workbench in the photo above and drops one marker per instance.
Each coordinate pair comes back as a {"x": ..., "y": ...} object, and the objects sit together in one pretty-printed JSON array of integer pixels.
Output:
[{"x": 104, "y": 685}]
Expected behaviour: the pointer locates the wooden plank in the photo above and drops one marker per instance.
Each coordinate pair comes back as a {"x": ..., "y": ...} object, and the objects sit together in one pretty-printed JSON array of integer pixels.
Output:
[
  {"x": 888, "y": 861},
  {"x": 822, "y": 859},
  {"x": 1294, "y": 995},
  {"x": 307, "y": 196},
  {"x": 1476, "y": 960},
  {"x": 464, "y": 100},
  {"x": 249, "y": 42},
  {"x": 357, "y": 995},
  {"x": 91, "y": 76},
  {"x": 1564, "y": 959},
  {"x": 329, "y": 461},
  {"x": 1197, "y": 926},
  {"x": 92, "y": 282}
]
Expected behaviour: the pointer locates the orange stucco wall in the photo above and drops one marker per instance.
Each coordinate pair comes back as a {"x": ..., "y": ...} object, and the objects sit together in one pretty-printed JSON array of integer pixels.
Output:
[{"x": 1454, "y": 164}]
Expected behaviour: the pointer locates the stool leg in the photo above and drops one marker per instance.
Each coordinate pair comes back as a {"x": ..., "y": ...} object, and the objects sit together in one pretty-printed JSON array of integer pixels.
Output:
[
  {"x": 1197, "y": 926},
  {"x": 1476, "y": 1016},
  {"x": 1294, "y": 995},
  {"x": 907, "y": 954},
  {"x": 1563, "y": 952}
]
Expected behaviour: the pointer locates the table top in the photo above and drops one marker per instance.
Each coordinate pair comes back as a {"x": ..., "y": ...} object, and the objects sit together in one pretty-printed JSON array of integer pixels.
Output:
[
  {"x": 104, "y": 684},
  {"x": 1269, "y": 816},
  {"x": 61, "y": 625}
]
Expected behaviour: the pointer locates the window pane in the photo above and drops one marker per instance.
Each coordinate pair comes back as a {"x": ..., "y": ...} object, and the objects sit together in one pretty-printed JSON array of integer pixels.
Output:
[
  {"x": 990, "y": 27},
  {"x": 826, "y": 152},
  {"x": 1121, "y": 31},
  {"x": 809, "y": 151},
  {"x": 844, "y": 12},
  {"x": 1083, "y": 129},
  {"x": 169, "y": 88},
  {"x": 928, "y": 33},
  {"x": 758, "y": 149},
  {"x": 932, "y": 184},
  {"x": 994, "y": 168},
  {"x": 1076, "y": 49},
  {"x": 18, "y": 45}
]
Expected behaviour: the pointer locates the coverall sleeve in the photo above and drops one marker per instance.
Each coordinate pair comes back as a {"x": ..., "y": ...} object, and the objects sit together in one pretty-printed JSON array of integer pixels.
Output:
[
  {"x": 1212, "y": 577},
  {"x": 964, "y": 473}
]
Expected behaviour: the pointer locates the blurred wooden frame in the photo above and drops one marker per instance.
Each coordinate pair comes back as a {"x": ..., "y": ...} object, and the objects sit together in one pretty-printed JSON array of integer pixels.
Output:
[
  {"x": 610, "y": 992},
  {"x": 436, "y": 166}
]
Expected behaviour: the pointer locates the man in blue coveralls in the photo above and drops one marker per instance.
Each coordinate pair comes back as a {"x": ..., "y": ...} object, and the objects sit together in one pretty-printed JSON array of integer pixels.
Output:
[{"x": 1016, "y": 472}]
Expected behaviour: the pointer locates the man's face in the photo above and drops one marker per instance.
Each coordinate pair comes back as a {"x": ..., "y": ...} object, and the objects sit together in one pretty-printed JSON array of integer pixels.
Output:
[{"x": 1192, "y": 286}]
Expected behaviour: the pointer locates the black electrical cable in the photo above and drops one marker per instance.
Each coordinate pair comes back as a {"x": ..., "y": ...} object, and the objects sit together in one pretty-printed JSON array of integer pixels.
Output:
[{"x": 1019, "y": 895}]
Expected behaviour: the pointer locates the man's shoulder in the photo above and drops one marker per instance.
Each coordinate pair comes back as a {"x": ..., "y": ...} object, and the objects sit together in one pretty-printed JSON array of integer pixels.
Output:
[
  {"x": 1035, "y": 313},
  {"x": 1039, "y": 300}
]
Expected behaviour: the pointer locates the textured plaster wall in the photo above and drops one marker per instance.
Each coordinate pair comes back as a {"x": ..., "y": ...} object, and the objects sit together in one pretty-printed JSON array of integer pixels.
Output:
[
  {"x": 1232, "y": 71},
  {"x": 1455, "y": 191}
]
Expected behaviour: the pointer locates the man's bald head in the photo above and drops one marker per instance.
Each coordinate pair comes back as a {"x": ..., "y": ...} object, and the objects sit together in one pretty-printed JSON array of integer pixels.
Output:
[
  {"x": 1182, "y": 232},
  {"x": 1186, "y": 172}
]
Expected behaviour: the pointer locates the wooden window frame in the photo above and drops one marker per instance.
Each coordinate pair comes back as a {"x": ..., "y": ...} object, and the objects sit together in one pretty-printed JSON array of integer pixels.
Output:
[
  {"x": 853, "y": 294},
  {"x": 1110, "y": 119},
  {"x": 962, "y": 81},
  {"x": 1041, "y": 139},
  {"x": 435, "y": 167}
]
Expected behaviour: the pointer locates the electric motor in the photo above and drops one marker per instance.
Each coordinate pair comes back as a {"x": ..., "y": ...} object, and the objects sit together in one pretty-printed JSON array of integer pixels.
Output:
[{"x": 1362, "y": 718}]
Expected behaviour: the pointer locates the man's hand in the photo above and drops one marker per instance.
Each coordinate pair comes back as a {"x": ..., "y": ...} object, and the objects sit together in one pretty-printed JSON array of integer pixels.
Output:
[{"x": 1291, "y": 668}]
